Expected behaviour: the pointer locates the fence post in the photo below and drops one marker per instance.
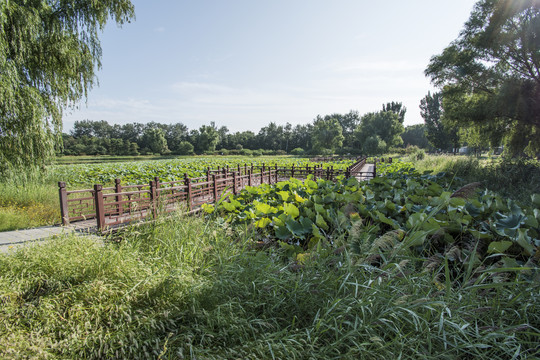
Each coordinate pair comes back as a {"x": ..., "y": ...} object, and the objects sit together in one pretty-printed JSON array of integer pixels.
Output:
[
  {"x": 118, "y": 197},
  {"x": 374, "y": 170},
  {"x": 153, "y": 198},
  {"x": 64, "y": 211},
  {"x": 262, "y": 175},
  {"x": 250, "y": 180},
  {"x": 292, "y": 171},
  {"x": 215, "y": 189},
  {"x": 187, "y": 182},
  {"x": 235, "y": 183},
  {"x": 245, "y": 169},
  {"x": 100, "y": 211},
  {"x": 276, "y": 174}
]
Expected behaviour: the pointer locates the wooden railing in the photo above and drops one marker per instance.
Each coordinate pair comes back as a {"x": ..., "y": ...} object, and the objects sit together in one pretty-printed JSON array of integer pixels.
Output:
[{"x": 120, "y": 204}]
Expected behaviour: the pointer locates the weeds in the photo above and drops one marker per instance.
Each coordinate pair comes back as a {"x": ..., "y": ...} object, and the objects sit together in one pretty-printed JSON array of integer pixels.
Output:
[{"x": 191, "y": 288}]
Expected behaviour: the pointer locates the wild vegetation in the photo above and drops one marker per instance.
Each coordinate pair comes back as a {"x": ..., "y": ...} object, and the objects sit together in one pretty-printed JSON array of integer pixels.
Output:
[
  {"x": 31, "y": 200},
  {"x": 393, "y": 268}
]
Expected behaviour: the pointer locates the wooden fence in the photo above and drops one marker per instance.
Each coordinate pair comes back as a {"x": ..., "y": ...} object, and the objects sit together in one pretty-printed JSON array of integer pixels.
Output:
[{"x": 121, "y": 204}]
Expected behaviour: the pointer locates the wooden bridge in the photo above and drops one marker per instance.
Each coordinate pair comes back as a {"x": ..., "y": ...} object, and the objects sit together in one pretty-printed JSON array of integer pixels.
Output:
[{"x": 107, "y": 208}]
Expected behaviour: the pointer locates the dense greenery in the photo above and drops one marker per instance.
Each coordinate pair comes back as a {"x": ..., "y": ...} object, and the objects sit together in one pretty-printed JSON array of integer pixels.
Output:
[
  {"x": 32, "y": 202},
  {"x": 48, "y": 54},
  {"x": 141, "y": 172},
  {"x": 347, "y": 133},
  {"x": 202, "y": 289},
  {"x": 490, "y": 75},
  {"x": 441, "y": 135},
  {"x": 399, "y": 213}
]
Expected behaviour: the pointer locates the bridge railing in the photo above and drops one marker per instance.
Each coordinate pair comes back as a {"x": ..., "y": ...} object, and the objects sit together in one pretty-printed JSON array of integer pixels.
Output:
[{"x": 120, "y": 204}]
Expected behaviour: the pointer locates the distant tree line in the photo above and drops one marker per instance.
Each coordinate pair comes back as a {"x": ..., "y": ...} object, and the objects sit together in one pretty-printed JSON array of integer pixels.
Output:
[{"x": 349, "y": 133}]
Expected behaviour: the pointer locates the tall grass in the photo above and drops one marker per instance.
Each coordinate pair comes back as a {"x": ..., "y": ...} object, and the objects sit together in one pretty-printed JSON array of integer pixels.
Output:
[
  {"x": 190, "y": 288},
  {"x": 28, "y": 204},
  {"x": 515, "y": 178}
]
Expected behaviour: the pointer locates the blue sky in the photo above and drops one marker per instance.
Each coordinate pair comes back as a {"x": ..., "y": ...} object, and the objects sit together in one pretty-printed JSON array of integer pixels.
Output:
[{"x": 245, "y": 63}]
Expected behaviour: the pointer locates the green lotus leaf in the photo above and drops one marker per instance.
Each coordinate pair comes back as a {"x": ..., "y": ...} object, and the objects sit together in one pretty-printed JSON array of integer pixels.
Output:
[
  {"x": 512, "y": 221},
  {"x": 525, "y": 242},
  {"x": 208, "y": 208},
  {"x": 282, "y": 232},
  {"x": 264, "y": 208},
  {"x": 284, "y": 195},
  {"x": 263, "y": 222},
  {"x": 228, "y": 206},
  {"x": 291, "y": 209},
  {"x": 319, "y": 220},
  {"x": 498, "y": 247},
  {"x": 310, "y": 184},
  {"x": 536, "y": 199}
]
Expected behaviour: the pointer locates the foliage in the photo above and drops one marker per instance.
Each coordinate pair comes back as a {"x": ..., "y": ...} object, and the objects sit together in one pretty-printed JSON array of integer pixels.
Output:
[
  {"x": 154, "y": 141},
  {"x": 207, "y": 138},
  {"x": 422, "y": 217},
  {"x": 491, "y": 73},
  {"x": 191, "y": 288},
  {"x": 415, "y": 135},
  {"x": 397, "y": 108},
  {"x": 327, "y": 134},
  {"x": 374, "y": 145},
  {"x": 49, "y": 50},
  {"x": 383, "y": 126},
  {"x": 516, "y": 178},
  {"x": 440, "y": 134},
  {"x": 142, "y": 172}
]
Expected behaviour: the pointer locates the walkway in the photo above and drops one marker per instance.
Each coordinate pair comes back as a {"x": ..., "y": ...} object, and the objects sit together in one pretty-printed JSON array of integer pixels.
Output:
[
  {"x": 10, "y": 240},
  {"x": 367, "y": 168}
]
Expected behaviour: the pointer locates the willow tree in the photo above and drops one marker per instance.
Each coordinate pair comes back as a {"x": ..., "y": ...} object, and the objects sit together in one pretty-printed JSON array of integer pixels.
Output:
[{"x": 49, "y": 53}]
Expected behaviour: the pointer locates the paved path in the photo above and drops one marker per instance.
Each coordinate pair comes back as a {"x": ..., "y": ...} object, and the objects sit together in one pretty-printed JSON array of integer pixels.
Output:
[
  {"x": 12, "y": 239},
  {"x": 366, "y": 168}
]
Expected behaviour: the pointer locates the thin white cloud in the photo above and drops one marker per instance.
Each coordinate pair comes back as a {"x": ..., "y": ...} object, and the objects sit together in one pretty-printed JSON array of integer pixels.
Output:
[{"x": 159, "y": 29}]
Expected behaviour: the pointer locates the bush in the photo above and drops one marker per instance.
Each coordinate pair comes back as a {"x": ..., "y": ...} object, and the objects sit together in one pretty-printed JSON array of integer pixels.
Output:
[{"x": 297, "y": 151}]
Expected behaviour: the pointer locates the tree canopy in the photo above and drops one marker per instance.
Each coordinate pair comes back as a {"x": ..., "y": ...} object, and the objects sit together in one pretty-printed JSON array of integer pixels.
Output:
[
  {"x": 327, "y": 133},
  {"x": 49, "y": 52},
  {"x": 441, "y": 135},
  {"x": 491, "y": 73},
  {"x": 378, "y": 131}
]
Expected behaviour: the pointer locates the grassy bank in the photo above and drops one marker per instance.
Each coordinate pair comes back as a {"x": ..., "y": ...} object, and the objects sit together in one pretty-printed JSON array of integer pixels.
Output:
[
  {"x": 516, "y": 179},
  {"x": 194, "y": 289}
]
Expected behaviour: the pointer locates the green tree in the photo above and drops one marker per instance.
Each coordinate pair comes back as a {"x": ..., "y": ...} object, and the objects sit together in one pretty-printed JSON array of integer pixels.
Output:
[
  {"x": 440, "y": 134},
  {"x": 397, "y": 108},
  {"x": 385, "y": 125},
  {"x": 207, "y": 138},
  {"x": 415, "y": 135},
  {"x": 49, "y": 51},
  {"x": 491, "y": 72},
  {"x": 327, "y": 134},
  {"x": 374, "y": 145},
  {"x": 154, "y": 140}
]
